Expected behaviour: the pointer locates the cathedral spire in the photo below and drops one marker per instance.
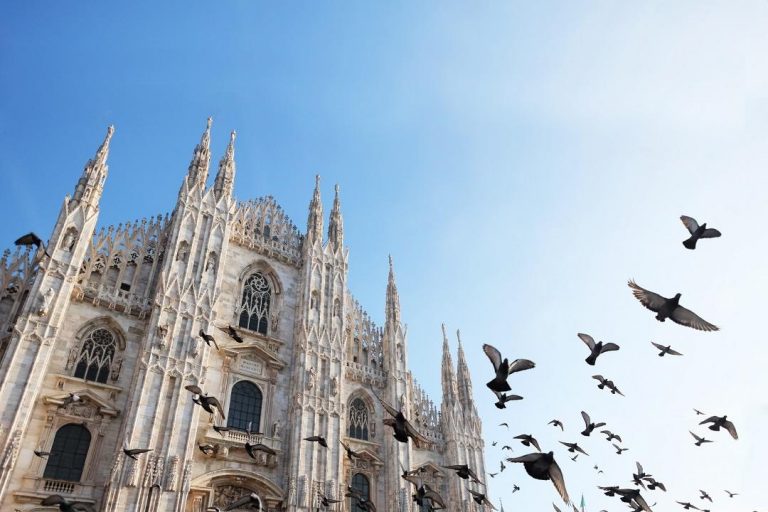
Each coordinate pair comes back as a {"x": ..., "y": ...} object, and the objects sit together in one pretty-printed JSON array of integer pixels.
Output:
[
  {"x": 392, "y": 313},
  {"x": 463, "y": 378},
  {"x": 91, "y": 183},
  {"x": 315, "y": 218},
  {"x": 225, "y": 178},
  {"x": 448, "y": 377},
  {"x": 201, "y": 159},
  {"x": 336, "y": 223}
]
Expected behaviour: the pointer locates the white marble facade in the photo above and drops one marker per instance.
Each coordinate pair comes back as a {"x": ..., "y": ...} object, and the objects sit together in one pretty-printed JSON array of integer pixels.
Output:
[{"x": 112, "y": 315}]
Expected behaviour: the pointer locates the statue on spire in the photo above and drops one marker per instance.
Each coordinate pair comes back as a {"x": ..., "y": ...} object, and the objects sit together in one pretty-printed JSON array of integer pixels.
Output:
[
  {"x": 336, "y": 224},
  {"x": 225, "y": 178}
]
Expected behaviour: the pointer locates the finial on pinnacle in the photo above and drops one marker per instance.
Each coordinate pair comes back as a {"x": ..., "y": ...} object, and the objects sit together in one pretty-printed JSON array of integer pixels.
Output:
[
  {"x": 458, "y": 336},
  {"x": 208, "y": 123},
  {"x": 391, "y": 266},
  {"x": 232, "y": 136},
  {"x": 317, "y": 180}
]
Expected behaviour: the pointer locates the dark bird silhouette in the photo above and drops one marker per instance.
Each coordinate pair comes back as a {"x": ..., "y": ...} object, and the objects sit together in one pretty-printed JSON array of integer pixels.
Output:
[
  {"x": 556, "y": 423},
  {"x": 360, "y": 501},
  {"x": 670, "y": 308},
  {"x": 425, "y": 495},
  {"x": 610, "y": 436},
  {"x": 221, "y": 430},
  {"x": 251, "y": 501},
  {"x": 507, "y": 447},
  {"x": 493, "y": 475},
  {"x": 327, "y": 502},
  {"x": 688, "y": 506},
  {"x": 653, "y": 484},
  {"x": 251, "y": 449},
  {"x": 132, "y": 453},
  {"x": 607, "y": 383},
  {"x": 41, "y": 454},
  {"x": 400, "y": 425},
  {"x": 505, "y": 424},
  {"x": 494, "y": 443},
  {"x": 502, "y": 467},
  {"x": 481, "y": 499},
  {"x": 666, "y": 350},
  {"x": 504, "y": 368},
  {"x": 574, "y": 447},
  {"x": 542, "y": 466},
  {"x": 698, "y": 412},
  {"x": 633, "y": 497},
  {"x": 590, "y": 426},
  {"x": 464, "y": 471},
  {"x": 65, "y": 505},
  {"x": 528, "y": 440},
  {"x": 503, "y": 398},
  {"x": 575, "y": 457},
  {"x": 595, "y": 349},
  {"x": 515, "y": 488},
  {"x": 208, "y": 403},
  {"x": 619, "y": 449},
  {"x": 351, "y": 454},
  {"x": 207, "y": 449},
  {"x": 721, "y": 421},
  {"x": 234, "y": 334},
  {"x": 697, "y": 232},
  {"x": 699, "y": 440},
  {"x": 208, "y": 339},
  {"x": 317, "y": 439},
  {"x": 31, "y": 239},
  {"x": 731, "y": 494},
  {"x": 705, "y": 496}
]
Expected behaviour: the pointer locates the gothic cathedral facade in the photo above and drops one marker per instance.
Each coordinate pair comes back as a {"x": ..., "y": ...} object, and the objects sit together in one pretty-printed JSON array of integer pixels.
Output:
[{"x": 100, "y": 336}]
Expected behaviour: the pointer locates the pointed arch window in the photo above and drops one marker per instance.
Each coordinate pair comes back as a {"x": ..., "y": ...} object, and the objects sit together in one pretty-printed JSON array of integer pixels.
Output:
[
  {"x": 245, "y": 406},
  {"x": 358, "y": 420},
  {"x": 254, "y": 307},
  {"x": 68, "y": 453},
  {"x": 96, "y": 354},
  {"x": 362, "y": 485}
]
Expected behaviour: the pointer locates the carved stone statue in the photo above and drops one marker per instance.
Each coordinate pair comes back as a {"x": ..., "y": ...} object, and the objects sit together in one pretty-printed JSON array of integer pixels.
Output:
[
  {"x": 47, "y": 299},
  {"x": 68, "y": 242},
  {"x": 114, "y": 370},
  {"x": 311, "y": 374},
  {"x": 334, "y": 386},
  {"x": 276, "y": 429}
]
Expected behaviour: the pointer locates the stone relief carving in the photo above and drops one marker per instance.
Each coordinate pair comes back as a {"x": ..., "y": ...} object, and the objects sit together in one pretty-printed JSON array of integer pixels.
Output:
[
  {"x": 334, "y": 386},
  {"x": 46, "y": 303},
  {"x": 171, "y": 476},
  {"x": 68, "y": 242},
  {"x": 311, "y": 374}
]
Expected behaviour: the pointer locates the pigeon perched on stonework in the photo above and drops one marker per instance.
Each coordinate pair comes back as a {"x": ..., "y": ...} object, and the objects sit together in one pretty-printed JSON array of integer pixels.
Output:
[
  {"x": 721, "y": 421},
  {"x": 504, "y": 368},
  {"x": 542, "y": 466},
  {"x": 670, "y": 308},
  {"x": 595, "y": 349},
  {"x": 697, "y": 232},
  {"x": 666, "y": 350}
]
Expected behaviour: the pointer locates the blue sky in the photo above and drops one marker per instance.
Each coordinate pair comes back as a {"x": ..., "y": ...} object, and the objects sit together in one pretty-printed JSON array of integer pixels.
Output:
[{"x": 519, "y": 161}]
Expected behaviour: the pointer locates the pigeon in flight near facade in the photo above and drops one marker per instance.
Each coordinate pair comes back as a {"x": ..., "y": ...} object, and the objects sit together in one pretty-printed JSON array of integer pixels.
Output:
[
  {"x": 721, "y": 421},
  {"x": 208, "y": 403},
  {"x": 590, "y": 426},
  {"x": 697, "y": 232},
  {"x": 464, "y": 471},
  {"x": 400, "y": 425},
  {"x": 595, "y": 349},
  {"x": 65, "y": 505},
  {"x": 528, "y": 440},
  {"x": 574, "y": 447},
  {"x": 503, "y": 398},
  {"x": 317, "y": 439},
  {"x": 666, "y": 350},
  {"x": 232, "y": 332},
  {"x": 251, "y": 501},
  {"x": 208, "y": 339},
  {"x": 670, "y": 308},
  {"x": 132, "y": 453},
  {"x": 699, "y": 440},
  {"x": 542, "y": 466},
  {"x": 504, "y": 368},
  {"x": 481, "y": 499}
]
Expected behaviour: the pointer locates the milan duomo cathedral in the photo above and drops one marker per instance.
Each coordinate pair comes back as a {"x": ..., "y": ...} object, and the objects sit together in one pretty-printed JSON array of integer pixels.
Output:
[{"x": 100, "y": 335}]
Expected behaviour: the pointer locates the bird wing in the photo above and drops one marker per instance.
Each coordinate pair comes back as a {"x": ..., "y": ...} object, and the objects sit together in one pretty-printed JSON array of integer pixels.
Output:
[
  {"x": 391, "y": 410},
  {"x": 731, "y": 429},
  {"x": 556, "y": 475},
  {"x": 436, "y": 498},
  {"x": 212, "y": 400},
  {"x": 690, "y": 223},
  {"x": 493, "y": 354},
  {"x": 194, "y": 389},
  {"x": 556, "y": 509},
  {"x": 658, "y": 346},
  {"x": 588, "y": 340},
  {"x": 138, "y": 451},
  {"x": 531, "y": 457},
  {"x": 608, "y": 347},
  {"x": 456, "y": 466},
  {"x": 673, "y": 352},
  {"x": 29, "y": 239},
  {"x": 688, "y": 318},
  {"x": 519, "y": 365},
  {"x": 586, "y": 418},
  {"x": 639, "y": 468},
  {"x": 642, "y": 503},
  {"x": 598, "y": 378},
  {"x": 415, "y": 434},
  {"x": 711, "y": 419},
  {"x": 535, "y": 443},
  {"x": 579, "y": 449},
  {"x": 711, "y": 233},
  {"x": 647, "y": 298}
]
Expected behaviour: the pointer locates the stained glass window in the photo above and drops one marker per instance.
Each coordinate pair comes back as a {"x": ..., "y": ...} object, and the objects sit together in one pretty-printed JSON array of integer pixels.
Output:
[
  {"x": 254, "y": 308},
  {"x": 244, "y": 406},
  {"x": 96, "y": 355},
  {"x": 67, "y": 458},
  {"x": 358, "y": 420}
]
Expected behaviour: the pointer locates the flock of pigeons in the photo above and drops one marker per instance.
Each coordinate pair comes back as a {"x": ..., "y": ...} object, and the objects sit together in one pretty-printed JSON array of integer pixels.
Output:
[{"x": 538, "y": 464}]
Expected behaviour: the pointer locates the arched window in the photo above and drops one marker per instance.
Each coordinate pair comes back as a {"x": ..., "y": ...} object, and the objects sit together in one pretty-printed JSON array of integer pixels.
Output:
[
  {"x": 254, "y": 308},
  {"x": 244, "y": 406},
  {"x": 361, "y": 484},
  {"x": 67, "y": 458},
  {"x": 96, "y": 354},
  {"x": 358, "y": 420}
]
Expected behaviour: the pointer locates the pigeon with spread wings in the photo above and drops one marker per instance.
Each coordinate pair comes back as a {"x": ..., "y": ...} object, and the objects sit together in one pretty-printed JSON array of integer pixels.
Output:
[
  {"x": 65, "y": 505},
  {"x": 481, "y": 499},
  {"x": 670, "y": 308},
  {"x": 697, "y": 232},
  {"x": 400, "y": 425},
  {"x": 666, "y": 350},
  {"x": 504, "y": 368},
  {"x": 721, "y": 421},
  {"x": 542, "y": 466},
  {"x": 209, "y": 403},
  {"x": 595, "y": 349}
]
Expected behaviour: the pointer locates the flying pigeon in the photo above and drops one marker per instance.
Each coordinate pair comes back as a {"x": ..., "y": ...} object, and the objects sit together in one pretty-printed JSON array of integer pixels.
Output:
[
  {"x": 503, "y": 398},
  {"x": 207, "y": 449},
  {"x": 464, "y": 471},
  {"x": 221, "y": 429},
  {"x": 317, "y": 439},
  {"x": 481, "y": 499},
  {"x": 65, "y": 505},
  {"x": 699, "y": 440},
  {"x": 705, "y": 496},
  {"x": 542, "y": 466},
  {"x": 688, "y": 506},
  {"x": 610, "y": 436},
  {"x": 252, "y": 501},
  {"x": 504, "y": 368},
  {"x": 234, "y": 334},
  {"x": 670, "y": 308},
  {"x": 589, "y": 425},
  {"x": 327, "y": 502},
  {"x": 132, "y": 453},
  {"x": 619, "y": 449},
  {"x": 400, "y": 425},
  {"x": 556, "y": 423},
  {"x": 596, "y": 348},
  {"x": 32, "y": 239},
  {"x": 721, "y": 421},
  {"x": 697, "y": 231},
  {"x": 208, "y": 339},
  {"x": 206, "y": 402},
  {"x": 351, "y": 454},
  {"x": 528, "y": 440},
  {"x": 574, "y": 447},
  {"x": 731, "y": 494},
  {"x": 362, "y": 502},
  {"x": 41, "y": 454},
  {"x": 666, "y": 350}
]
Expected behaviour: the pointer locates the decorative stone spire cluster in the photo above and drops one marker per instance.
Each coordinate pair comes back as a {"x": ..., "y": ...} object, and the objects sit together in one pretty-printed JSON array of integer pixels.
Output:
[
  {"x": 336, "y": 223},
  {"x": 91, "y": 183},
  {"x": 392, "y": 312},
  {"x": 225, "y": 178},
  {"x": 315, "y": 217},
  {"x": 201, "y": 159},
  {"x": 448, "y": 378},
  {"x": 463, "y": 378}
]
